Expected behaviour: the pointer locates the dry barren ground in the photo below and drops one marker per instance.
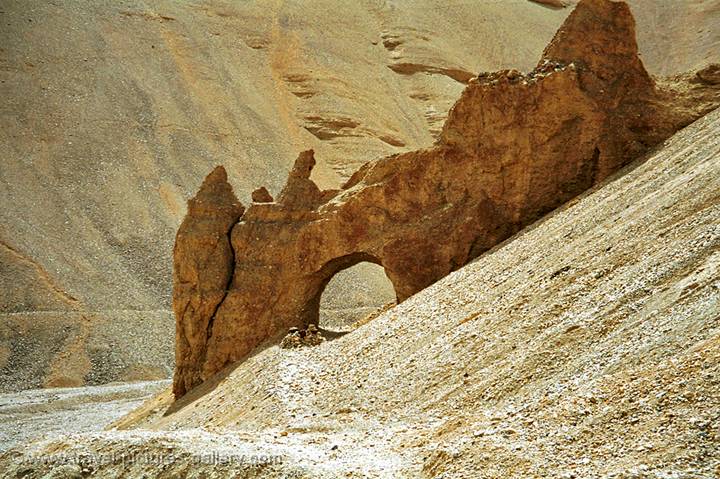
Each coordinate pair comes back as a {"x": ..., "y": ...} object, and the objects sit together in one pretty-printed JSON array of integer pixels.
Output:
[
  {"x": 44, "y": 413},
  {"x": 586, "y": 346},
  {"x": 113, "y": 112}
]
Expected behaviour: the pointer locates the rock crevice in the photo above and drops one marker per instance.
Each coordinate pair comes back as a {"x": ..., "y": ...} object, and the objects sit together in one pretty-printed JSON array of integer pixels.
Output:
[{"x": 203, "y": 263}]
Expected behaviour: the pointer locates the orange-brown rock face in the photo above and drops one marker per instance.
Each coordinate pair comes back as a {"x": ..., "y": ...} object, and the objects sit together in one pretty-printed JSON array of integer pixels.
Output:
[
  {"x": 514, "y": 147},
  {"x": 203, "y": 265},
  {"x": 262, "y": 195}
]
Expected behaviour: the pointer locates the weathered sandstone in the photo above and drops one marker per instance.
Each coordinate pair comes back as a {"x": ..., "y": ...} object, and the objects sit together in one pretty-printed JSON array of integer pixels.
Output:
[
  {"x": 203, "y": 265},
  {"x": 514, "y": 147}
]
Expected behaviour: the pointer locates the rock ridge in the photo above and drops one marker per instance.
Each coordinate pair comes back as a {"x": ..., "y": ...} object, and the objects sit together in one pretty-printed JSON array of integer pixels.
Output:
[{"x": 514, "y": 147}]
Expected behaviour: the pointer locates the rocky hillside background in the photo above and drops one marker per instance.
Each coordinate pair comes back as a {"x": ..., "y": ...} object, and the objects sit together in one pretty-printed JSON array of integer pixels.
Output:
[
  {"x": 113, "y": 112},
  {"x": 586, "y": 346}
]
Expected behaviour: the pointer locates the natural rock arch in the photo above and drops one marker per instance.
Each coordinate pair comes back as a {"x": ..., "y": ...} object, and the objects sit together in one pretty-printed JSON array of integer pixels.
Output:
[
  {"x": 514, "y": 147},
  {"x": 310, "y": 313}
]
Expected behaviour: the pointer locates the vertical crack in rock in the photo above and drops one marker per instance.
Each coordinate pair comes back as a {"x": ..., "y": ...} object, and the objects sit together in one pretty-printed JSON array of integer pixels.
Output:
[
  {"x": 208, "y": 334},
  {"x": 514, "y": 147},
  {"x": 203, "y": 263}
]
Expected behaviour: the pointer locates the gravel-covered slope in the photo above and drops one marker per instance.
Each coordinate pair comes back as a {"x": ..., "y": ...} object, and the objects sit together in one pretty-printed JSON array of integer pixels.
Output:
[
  {"x": 113, "y": 112},
  {"x": 586, "y": 346}
]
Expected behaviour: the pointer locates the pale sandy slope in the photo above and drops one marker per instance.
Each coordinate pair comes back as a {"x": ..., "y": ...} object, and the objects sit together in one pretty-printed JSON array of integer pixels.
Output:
[
  {"x": 113, "y": 112},
  {"x": 586, "y": 346}
]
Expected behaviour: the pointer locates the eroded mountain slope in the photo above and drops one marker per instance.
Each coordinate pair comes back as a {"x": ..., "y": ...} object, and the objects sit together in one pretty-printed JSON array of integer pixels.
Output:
[
  {"x": 112, "y": 113},
  {"x": 586, "y": 346}
]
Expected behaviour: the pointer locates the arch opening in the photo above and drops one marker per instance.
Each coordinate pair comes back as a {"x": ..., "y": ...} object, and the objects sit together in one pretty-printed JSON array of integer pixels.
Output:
[{"x": 351, "y": 289}]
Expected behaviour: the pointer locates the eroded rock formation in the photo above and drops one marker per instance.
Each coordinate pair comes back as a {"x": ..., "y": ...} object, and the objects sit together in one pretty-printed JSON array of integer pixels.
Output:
[
  {"x": 203, "y": 266},
  {"x": 514, "y": 147}
]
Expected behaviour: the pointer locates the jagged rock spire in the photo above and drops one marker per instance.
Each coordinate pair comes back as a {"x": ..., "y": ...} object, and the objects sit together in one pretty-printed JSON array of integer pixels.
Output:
[{"x": 203, "y": 263}]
